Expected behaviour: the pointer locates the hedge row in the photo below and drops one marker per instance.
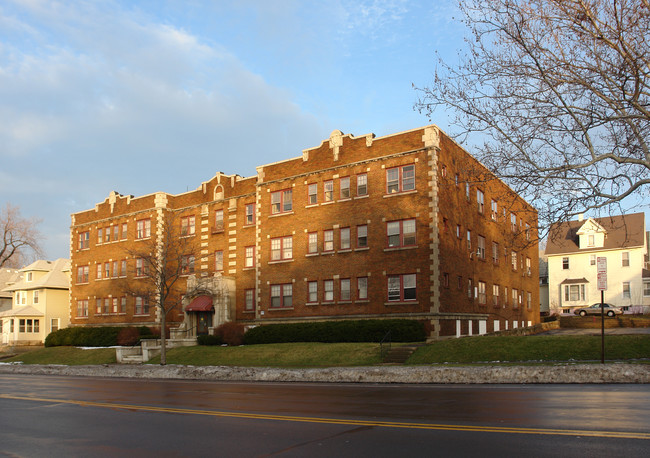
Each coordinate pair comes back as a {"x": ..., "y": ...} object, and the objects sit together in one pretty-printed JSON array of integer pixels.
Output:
[
  {"x": 105, "y": 336},
  {"x": 337, "y": 331}
]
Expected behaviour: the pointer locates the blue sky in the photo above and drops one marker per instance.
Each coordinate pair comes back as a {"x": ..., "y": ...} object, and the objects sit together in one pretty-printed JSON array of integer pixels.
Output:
[{"x": 148, "y": 96}]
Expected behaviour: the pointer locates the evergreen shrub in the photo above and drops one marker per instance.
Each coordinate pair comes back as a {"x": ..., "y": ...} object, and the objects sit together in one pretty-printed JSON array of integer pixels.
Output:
[
  {"x": 337, "y": 331},
  {"x": 104, "y": 336},
  {"x": 209, "y": 340}
]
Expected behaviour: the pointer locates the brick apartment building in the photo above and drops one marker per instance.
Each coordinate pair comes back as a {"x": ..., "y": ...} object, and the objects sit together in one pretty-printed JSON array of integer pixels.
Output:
[{"x": 403, "y": 226}]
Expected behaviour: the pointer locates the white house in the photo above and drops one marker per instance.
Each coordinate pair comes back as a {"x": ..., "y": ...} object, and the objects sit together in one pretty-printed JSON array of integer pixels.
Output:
[
  {"x": 40, "y": 303},
  {"x": 572, "y": 250}
]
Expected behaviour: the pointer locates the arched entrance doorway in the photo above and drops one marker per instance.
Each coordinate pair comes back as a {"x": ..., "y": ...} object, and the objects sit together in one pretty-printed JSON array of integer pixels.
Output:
[{"x": 201, "y": 311}]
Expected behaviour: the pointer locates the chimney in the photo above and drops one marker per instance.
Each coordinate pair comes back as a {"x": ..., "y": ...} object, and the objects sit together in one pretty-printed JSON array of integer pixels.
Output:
[{"x": 581, "y": 217}]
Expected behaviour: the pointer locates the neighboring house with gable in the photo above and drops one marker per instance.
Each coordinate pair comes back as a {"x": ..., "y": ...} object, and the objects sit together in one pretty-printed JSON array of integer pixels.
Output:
[
  {"x": 573, "y": 249},
  {"x": 7, "y": 277},
  {"x": 40, "y": 303}
]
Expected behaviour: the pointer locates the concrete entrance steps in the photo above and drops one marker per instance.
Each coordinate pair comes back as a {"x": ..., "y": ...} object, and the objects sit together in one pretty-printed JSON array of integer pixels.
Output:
[
  {"x": 399, "y": 355},
  {"x": 148, "y": 348}
]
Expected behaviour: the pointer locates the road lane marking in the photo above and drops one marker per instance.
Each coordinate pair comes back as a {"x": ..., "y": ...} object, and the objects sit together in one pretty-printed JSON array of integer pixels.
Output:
[{"x": 338, "y": 421}]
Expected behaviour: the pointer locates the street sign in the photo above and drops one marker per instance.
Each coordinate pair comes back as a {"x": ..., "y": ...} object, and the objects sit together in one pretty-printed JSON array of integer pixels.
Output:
[{"x": 601, "y": 264}]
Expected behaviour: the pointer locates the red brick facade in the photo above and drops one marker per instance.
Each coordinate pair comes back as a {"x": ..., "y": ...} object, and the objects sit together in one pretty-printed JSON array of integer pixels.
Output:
[{"x": 358, "y": 227}]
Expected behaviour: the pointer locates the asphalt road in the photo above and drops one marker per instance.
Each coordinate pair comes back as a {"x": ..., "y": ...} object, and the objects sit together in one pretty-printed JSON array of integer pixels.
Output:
[{"x": 86, "y": 416}]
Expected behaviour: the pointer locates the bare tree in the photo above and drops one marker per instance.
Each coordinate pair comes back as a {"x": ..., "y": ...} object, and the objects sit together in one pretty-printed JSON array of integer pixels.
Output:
[
  {"x": 20, "y": 238},
  {"x": 558, "y": 93},
  {"x": 159, "y": 265}
]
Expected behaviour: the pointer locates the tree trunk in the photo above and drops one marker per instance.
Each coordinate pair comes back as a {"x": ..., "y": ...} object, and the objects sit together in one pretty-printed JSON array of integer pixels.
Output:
[{"x": 163, "y": 338}]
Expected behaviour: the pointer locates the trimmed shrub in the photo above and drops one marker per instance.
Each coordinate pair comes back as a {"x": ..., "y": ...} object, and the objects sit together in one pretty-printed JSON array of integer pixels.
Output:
[
  {"x": 338, "y": 331},
  {"x": 105, "y": 336},
  {"x": 230, "y": 333},
  {"x": 208, "y": 340}
]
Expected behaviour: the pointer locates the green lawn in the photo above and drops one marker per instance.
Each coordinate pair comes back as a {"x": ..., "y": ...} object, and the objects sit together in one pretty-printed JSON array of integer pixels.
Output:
[
  {"x": 308, "y": 354},
  {"x": 532, "y": 348},
  {"x": 505, "y": 349}
]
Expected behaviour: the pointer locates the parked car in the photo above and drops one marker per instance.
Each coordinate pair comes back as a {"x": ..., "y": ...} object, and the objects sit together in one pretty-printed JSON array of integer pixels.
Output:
[{"x": 609, "y": 309}]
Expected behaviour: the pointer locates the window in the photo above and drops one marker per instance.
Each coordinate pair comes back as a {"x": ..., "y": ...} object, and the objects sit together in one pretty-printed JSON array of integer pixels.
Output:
[
  {"x": 470, "y": 288},
  {"x": 528, "y": 267},
  {"x": 402, "y": 288},
  {"x": 345, "y": 238},
  {"x": 249, "y": 260},
  {"x": 249, "y": 300},
  {"x": 21, "y": 325},
  {"x": 495, "y": 210},
  {"x": 141, "y": 306},
  {"x": 513, "y": 222},
  {"x": 590, "y": 240},
  {"x": 458, "y": 231},
  {"x": 400, "y": 179},
  {"x": 84, "y": 240},
  {"x": 312, "y": 242},
  {"x": 495, "y": 252},
  {"x": 54, "y": 324},
  {"x": 107, "y": 305},
  {"x": 467, "y": 191},
  {"x": 328, "y": 240},
  {"x": 107, "y": 234},
  {"x": 123, "y": 268},
  {"x": 282, "y": 296},
  {"x": 100, "y": 235},
  {"x": 480, "y": 252},
  {"x": 99, "y": 271},
  {"x": 362, "y": 184},
  {"x": 482, "y": 299},
  {"x": 592, "y": 260},
  {"x": 125, "y": 228},
  {"x": 469, "y": 240},
  {"x": 82, "y": 308},
  {"x": 250, "y": 214},
  {"x": 344, "y": 292},
  {"x": 495, "y": 295},
  {"x": 445, "y": 280},
  {"x": 646, "y": 288},
  {"x": 98, "y": 306},
  {"x": 565, "y": 263},
  {"x": 312, "y": 291},
  {"x": 574, "y": 293},
  {"x": 107, "y": 270},
  {"x": 625, "y": 259},
  {"x": 281, "y": 248},
  {"x": 281, "y": 201},
  {"x": 514, "y": 260},
  {"x": 328, "y": 191},
  {"x": 115, "y": 264},
  {"x": 480, "y": 200},
  {"x": 401, "y": 233},
  {"x": 626, "y": 289},
  {"x": 143, "y": 229},
  {"x": 345, "y": 187},
  {"x": 218, "y": 261},
  {"x": 328, "y": 291},
  {"x": 188, "y": 225},
  {"x": 187, "y": 264},
  {"x": 529, "y": 301},
  {"x": 312, "y": 194},
  {"x": 362, "y": 236},
  {"x": 82, "y": 274},
  {"x": 141, "y": 268},
  {"x": 527, "y": 231},
  {"x": 362, "y": 288},
  {"x": 116, "y": 233},
  {"x": 515, "y": 302},
  {"x": 218, "y": 220}
]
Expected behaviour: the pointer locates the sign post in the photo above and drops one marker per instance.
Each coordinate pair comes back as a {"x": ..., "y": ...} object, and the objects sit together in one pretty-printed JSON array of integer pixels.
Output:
[{"x": 601, "y": 263}]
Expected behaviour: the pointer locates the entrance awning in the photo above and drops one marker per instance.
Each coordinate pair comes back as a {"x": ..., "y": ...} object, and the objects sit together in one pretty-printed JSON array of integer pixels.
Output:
[{"x": 200, "y": 304}]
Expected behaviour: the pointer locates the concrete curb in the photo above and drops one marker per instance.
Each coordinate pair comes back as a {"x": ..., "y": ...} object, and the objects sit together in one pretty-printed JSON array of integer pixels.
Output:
[{"x": 563, "y": 373}]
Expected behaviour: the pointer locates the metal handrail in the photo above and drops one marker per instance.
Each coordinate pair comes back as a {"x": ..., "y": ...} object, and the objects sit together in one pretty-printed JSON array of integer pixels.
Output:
[{"x": 385, "y": 342}]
